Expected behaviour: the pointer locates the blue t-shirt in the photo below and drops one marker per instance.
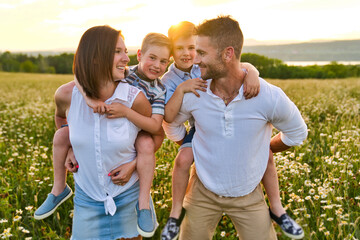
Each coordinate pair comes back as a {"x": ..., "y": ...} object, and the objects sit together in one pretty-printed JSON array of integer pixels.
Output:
[{"x": 174, "y": 76}]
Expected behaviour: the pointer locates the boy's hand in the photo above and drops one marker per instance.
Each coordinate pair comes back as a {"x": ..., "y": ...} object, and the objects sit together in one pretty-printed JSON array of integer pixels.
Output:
[
  {"x": 122, "y": 174},
  {"x": 251, "y": 85},
  {"x": 251, "y": 89},
  {"x": 192, "y": 85},
  {"x": 70, "y": 163},
  {"x": 97, "y": 105},
  {"x": 116, "y": 110}
]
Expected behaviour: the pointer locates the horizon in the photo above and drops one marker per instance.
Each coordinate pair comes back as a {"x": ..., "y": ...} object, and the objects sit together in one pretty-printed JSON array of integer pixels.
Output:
[
  {"x": 247, "y": 43},
  {"x": 45, "y": 25}
]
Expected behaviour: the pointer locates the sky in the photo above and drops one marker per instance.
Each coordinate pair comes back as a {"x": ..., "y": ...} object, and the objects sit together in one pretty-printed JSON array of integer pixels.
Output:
[{"x": 57, "y": 25}]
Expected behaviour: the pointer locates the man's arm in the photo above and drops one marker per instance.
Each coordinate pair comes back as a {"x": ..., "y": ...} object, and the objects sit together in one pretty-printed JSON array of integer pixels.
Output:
[
  {"x": 176, "y": 130},
  {"x": 287, "y": 118},
  {"x": 277, "y": 145}
]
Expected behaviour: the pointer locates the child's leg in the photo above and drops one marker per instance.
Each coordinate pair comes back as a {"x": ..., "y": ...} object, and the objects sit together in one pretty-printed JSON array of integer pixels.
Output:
[
  {"x": 277, "y": 212},
  {"x": 271, "y": 185},
  {"x": 146, "y": 146},
  {"x": 61, "y": 145},
  {"x": 180, "y": 179},
  {"x": 60, "y": 191},
  {"x": 145, "y": 166}
]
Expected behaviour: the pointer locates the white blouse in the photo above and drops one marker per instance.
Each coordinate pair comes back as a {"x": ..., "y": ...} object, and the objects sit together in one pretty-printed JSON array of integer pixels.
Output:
[{"x": 101, "y": 145}]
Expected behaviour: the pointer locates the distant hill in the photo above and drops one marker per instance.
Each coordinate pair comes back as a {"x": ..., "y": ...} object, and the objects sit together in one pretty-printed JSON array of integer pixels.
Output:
[
  {"x": 344, "y": 50},
  {"x": 340, "y": 50}
]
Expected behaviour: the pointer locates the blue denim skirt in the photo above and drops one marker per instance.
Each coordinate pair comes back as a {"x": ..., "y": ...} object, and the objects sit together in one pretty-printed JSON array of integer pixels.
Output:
[{"x": 91, "y": 223}]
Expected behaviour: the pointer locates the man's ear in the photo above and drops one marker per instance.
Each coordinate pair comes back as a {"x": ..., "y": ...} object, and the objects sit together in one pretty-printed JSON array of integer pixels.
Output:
[
  {"x": 138, "y": 55},
  {"x": 228, "y": 54}
]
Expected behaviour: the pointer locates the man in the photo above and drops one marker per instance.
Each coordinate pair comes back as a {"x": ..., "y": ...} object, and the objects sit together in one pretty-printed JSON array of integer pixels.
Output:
[{"x": 232, "y": 138}]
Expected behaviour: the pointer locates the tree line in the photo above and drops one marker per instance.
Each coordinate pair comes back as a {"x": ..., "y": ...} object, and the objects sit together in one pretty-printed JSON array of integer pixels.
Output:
[{"x": 268, "y": 67}]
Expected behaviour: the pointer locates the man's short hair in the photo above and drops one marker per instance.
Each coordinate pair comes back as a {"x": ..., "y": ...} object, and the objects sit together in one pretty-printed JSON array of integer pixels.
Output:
[
  {"x": 223, "y": 32},
  {"x": 155, "y": 39}
]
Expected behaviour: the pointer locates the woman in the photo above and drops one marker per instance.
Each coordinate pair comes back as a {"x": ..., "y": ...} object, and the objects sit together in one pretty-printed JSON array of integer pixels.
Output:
[{"x": 103, "y": 208}]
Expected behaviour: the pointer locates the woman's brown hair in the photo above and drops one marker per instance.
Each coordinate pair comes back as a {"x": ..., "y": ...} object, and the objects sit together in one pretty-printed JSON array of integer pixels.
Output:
[{"x": 93, "y": 60}]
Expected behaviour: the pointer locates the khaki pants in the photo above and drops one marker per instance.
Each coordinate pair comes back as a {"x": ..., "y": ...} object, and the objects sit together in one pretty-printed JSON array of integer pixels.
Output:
[{"x": 204, "y": 209}]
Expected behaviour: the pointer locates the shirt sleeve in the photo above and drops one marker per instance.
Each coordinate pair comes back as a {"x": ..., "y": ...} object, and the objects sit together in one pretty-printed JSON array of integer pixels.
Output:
[
  {"x": 176, "y": 130},
  {"x": 173, "y": 131},
  {"x": 158, "y": 105},
  {"x": 287, "y": 118},
  {"x": 170, "y": 89}
]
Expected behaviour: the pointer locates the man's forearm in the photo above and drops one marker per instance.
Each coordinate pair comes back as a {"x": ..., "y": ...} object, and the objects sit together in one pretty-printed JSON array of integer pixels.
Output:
[{"x": 277, "y": 145}]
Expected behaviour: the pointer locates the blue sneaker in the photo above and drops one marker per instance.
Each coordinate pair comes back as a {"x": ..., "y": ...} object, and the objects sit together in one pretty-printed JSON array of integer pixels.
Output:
[
  {"x": 51, "y": 203},
  {"x": 146, "y": 220}
]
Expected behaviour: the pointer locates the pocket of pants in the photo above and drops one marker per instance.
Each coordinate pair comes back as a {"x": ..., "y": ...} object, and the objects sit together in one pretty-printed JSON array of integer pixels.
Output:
[
  {"x": 257, "y": 195},
  {"x": 193, "y": 185}
]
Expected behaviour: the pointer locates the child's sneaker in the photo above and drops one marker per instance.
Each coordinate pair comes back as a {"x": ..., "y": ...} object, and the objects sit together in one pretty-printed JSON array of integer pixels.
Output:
[
  {"x": 172, "y": 227},
  {"x": 51, "y": 203},
  {"x": 146, "y": 220},
  {"x": 288, "y": 226}
]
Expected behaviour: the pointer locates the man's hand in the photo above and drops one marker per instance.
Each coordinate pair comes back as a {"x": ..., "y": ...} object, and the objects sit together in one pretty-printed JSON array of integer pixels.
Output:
[
  {"x": 122, "y": 174},
  {"x": 70, "y": 163}
]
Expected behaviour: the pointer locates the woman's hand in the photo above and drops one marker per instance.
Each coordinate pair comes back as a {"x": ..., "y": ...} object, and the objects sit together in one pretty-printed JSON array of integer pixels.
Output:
[
  {"x": 122, "y": 174},
  {"x": 70, "y": 163}
]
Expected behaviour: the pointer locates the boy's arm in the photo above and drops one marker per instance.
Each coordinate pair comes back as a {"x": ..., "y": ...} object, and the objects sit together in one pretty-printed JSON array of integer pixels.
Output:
[
  {"x": 97, "y": 105},
  {"x": 62, "y": 103},
  {"x": 173, "y": 106},
  {"x": 151, "y": 124},
  {"x": 251, "y": 81},
  {"x": 122, "y": 174},
  {"x": 142, "y": 105}
]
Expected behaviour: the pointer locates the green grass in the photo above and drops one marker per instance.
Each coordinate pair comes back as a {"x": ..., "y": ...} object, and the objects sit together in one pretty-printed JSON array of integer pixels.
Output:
[{"x": 319, "y": 181}]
